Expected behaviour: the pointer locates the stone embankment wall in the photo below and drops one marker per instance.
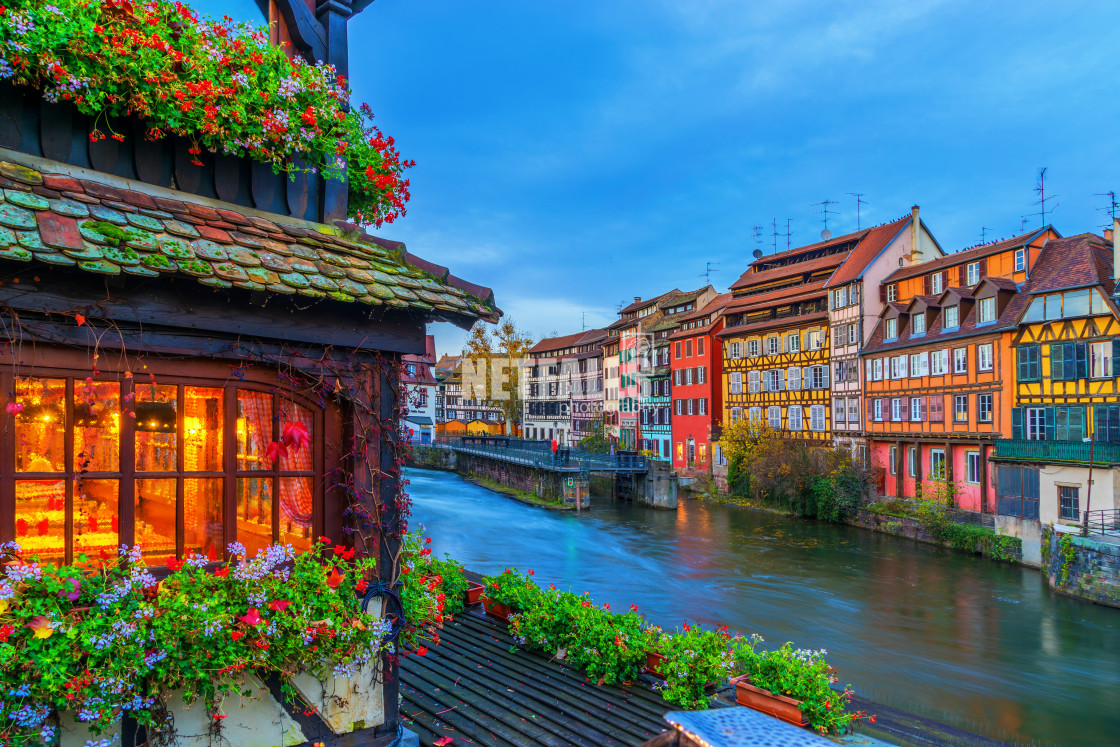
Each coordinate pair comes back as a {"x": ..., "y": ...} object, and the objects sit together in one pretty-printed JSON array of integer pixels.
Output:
[
  {"x": 431, "y": 457},
  {"x": 1083, "y": 567},
  {"x": 905, "y": 526}
]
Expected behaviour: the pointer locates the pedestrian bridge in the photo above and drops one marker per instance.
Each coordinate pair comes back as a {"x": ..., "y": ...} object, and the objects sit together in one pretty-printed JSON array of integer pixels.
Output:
[{"x": 539, "y": 455}]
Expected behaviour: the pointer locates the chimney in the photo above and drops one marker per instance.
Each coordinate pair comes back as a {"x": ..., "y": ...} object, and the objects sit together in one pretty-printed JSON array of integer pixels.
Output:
[
  {"x": 637, "y": 298},
  {"x": 1115, "y": 246},
  {"x": 915, "y": 222}
]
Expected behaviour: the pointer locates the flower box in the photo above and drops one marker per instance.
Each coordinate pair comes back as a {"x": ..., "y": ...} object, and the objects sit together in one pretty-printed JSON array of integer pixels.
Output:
[
  {"x": 474, "y": 593},
  {"x": 778, "y": 706},
  {"x": 497, "y": 609},
  {"x": 654, "y": 661}
]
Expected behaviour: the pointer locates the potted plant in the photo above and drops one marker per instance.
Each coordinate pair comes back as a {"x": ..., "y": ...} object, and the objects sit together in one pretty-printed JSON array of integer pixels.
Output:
[
  {"x": 473, "y": 592},
  {"x": 779, "y": 706},
  {"x": 690, "y": 661},
  {"x": 509, "y": 592}
]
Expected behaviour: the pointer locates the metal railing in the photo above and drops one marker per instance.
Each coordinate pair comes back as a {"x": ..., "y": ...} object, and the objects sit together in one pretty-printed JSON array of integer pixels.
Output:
[
  {"x": 539, "y": 454},
  {"x": 1103, "y": 521},
  {"x": 1058, "y": 451}
]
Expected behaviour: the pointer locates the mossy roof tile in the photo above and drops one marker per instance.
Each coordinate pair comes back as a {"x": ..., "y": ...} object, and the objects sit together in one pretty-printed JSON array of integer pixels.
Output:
[{"x": 149, "y": 235}]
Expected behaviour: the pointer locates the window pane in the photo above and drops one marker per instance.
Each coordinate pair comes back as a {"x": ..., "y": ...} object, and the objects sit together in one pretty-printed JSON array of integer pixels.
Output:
[
  {"x": 41, "y": 519},
  {"x": 40, "y": 425},
  {"x": 1054, "y": 307},
  {"x": 97, "y": 426},
  {"x": 1077, "y": 303},
  {"x": 155, "y": 519},
  {"x": 254, "y": 428},
  {"x": 95, "y": 517},
  {"x": 254, "y": 513},
  {"x": 202, "y": 429},
  {"x": 296, "y": 420},
  {"x": 156, "y": 427},
  {"x": 296, "y": 495},
  {"x": 202, "y": 516}
]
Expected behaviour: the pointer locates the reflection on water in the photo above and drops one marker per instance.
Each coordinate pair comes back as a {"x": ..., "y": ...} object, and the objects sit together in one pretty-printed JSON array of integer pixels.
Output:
[{"x": 924, "y": 628}]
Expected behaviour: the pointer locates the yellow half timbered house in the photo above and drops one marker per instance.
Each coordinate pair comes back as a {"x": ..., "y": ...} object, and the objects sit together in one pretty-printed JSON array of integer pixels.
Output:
[{"x": 1066, "y": 419}]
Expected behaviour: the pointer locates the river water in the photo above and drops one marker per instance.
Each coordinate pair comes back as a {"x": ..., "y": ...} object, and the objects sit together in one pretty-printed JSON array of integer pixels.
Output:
[{"x": 976, "y": 643}]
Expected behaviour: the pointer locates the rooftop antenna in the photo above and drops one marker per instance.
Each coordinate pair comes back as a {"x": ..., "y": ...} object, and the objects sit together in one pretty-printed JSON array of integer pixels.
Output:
[
  {"x": 758, "y": 239},
  {"x": 1040, "y": 190},
  {"x": 1023, "y": 222},
  {"x": 709, "y": 268},
  {"x": 583, "y": 320},
  {"x": 758, "y": 254},
  {"x": 1113, "y": 208},
  {"x": 774, "y": 224},
  {"x": 788, "y": 234},
  {"x": 826, "y": 234},
  {"x": 859, "y": 201},
  {"x": 984, "y": 234}
]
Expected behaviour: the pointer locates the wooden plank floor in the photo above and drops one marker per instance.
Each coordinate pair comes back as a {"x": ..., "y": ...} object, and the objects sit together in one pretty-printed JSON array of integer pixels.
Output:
[{"x": 473, "y": 689}]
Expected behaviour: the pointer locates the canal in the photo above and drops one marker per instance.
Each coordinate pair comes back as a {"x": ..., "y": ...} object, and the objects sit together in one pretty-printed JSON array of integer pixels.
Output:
[{"x": 979, "y": 644}]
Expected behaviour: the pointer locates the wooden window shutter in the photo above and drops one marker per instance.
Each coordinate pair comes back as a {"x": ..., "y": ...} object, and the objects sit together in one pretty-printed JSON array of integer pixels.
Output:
[
  {"x": 882, "y": 293},
  {"x": 1115, "y": 353},
  {"x": 1082, "y": 357},
  {"x": 928, "y": 281},
  {"x": 1049, "y": 423},
  {"x": 983, "y": 267},
  {"x": 1017, "y": 423}
]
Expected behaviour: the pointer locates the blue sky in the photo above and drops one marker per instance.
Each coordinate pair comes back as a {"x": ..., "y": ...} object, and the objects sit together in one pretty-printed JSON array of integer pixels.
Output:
[{"x": 573, "y": 155}]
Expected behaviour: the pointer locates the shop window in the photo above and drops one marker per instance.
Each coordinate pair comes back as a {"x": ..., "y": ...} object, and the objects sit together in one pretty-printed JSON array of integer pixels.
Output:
[{"x": 187, "y": 453}]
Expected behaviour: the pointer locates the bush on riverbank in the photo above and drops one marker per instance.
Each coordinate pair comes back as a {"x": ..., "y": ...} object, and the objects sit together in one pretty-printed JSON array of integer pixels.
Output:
[{"x": 613, "y": 647}]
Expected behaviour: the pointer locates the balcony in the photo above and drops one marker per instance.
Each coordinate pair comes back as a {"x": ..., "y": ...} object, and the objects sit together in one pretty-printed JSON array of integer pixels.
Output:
[{"x": 1072, "y": 452}]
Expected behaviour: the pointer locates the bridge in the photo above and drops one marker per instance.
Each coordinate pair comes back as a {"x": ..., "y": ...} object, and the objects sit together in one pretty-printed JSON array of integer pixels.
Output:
[
  {"x": 563, "y": 476},
  {"x": 539, "y": 455}
]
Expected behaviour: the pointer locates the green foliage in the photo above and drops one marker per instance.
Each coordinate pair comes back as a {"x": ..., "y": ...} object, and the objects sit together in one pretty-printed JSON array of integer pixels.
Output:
[
  {"x": 596, "y": 441},
  {"x": 1047, "y": 533},
  {"x": 941, "y": 527},
  {"x": 1069, "y": 553},
  {"x": 738, "y": 476},
  {"x": 220, "y": 84},
  {"x": 612, "y": 647},
  {"x": 451, "y": 583},
  {"x": 803, "y": 675},
  {"x": 102, "y": 640},
  {"x": 422, "y": 597}
]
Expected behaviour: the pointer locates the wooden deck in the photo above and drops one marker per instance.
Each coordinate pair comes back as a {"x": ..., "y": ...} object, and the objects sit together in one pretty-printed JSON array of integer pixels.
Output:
[{"x": 473, "y": 689}]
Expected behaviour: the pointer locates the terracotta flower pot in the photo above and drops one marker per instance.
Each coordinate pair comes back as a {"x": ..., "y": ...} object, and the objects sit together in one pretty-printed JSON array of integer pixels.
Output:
[
  {"x": 473, "y": 593},
  {"x": 497, "y": 609},
  {"x": 654, "y": 661},
  {"x": 778, "y": 706}
]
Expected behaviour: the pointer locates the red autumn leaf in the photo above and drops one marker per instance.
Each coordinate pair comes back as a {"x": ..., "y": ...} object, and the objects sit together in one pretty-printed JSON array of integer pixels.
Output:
[
  {"x": 79, "y": 319},
  {"x": 275, "y": 450},
  {"x": 278, "y": 605},
  {"x": 252, "y": 617},
  {"x": 296, "y": 435},
  {"x": 41, "y": 626},
  {"x": 334, "y": 578},
  {"x": 443, "y": 741}
]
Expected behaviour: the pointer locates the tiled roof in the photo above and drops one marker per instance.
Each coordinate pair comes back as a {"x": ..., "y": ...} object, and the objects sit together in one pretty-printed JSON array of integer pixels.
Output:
[
  {"x": 671, "y": 299},
  {"x": 72, "y": 218},
  {"x": 750, "y": 277},
  {"x": 1008, "y": 319},
  {"x": 550, "y": 344},
  {"x": 1075, "y": 262},
  {"x": 806, "y": 290},
  {"x": 712, "y": 307},
  {"x": 785, "y": 321},
  {"x": 642, "y": 303},
  {"x": 592, "y": 336},
  {"x": 966, "y": 255},
  {"x": 869, "y": 247},
  {"x": 668, "y": 322}
]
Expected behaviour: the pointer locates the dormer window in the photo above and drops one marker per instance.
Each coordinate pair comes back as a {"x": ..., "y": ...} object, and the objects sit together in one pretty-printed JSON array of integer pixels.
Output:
[
  {"x": 892, "y": 329},
  {"x": 952, "y": 317},
  {"x": 987, "y": 310},
  {"x": 1020, "y": 259},
  {"x": 917, "y": 324},
  {"x": 936, "y": 282},
  {"x": 972, "y": 273}
]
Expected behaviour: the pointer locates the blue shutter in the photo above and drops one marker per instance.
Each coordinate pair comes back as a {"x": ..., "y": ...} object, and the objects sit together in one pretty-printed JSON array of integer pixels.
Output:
[
  {"x": 1050, "y": 423},
  {"x": 1081, "y": 351},
  {"x": 1077, "y": 423},
  {"x": 1057, "y": 370},
  {"x": 1035, "y": 365},
  {"x": 1113, "y": 423},
  {"x": 1100, "y": 423},
  {"x": 1116, "y": 356},
  {"x": 1017, "y": 422}
]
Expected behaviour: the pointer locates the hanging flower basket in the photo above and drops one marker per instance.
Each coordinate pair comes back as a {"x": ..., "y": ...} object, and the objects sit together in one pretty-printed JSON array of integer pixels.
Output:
[{"x": 764, "y": 701}]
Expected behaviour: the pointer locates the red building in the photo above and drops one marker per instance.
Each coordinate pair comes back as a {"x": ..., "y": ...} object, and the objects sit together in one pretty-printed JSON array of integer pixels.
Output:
[{"x": 697, "y": 365}]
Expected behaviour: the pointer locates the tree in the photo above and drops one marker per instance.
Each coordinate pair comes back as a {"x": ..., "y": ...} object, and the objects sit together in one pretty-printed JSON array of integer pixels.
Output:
[
  {"x": 596, "y": 440},
  {"x": 497, "y": 350}
]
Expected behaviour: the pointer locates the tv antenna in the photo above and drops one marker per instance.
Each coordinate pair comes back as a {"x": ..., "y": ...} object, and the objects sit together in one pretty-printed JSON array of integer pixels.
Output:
[
  {"x": 859, "y": 201},
  {"x": 709, "y": 268},
  {"x": 1113, "y": 207},
  {"x": 1040, "y": 190},
  {"x": 1023, "y": 222},
  {"x": 984, "y": 234},
  {"x": 825, "y": 212},
  {"x": 788, "y": 234},
  {"x": 758, "y": 240},
  {"x": 583, "y": 320},
  {"x": 774, "y": 226}
]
